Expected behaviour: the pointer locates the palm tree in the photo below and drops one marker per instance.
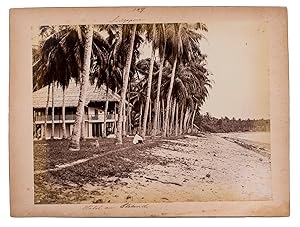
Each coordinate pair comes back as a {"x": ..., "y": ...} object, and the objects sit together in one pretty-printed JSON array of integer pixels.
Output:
[
  {"x": 105, "y": 66},
  {"x": 161, "y": 43},
  {"x": 152, "y": 30},
  {"x": 59, "y": 61},
  {"x": 183, "y": 44},
  {"x": 45, "y": 71},
  {"x": 125, "y": 81},
  {"x": 88, "y": 41}
]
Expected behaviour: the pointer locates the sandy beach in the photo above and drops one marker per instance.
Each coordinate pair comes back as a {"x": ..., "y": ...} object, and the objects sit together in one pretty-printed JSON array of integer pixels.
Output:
[{"x": 209, "y": 167}]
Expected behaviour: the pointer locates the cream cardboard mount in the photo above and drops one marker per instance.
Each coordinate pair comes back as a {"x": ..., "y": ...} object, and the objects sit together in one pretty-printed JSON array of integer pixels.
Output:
[{"x": 259, "y": 46}]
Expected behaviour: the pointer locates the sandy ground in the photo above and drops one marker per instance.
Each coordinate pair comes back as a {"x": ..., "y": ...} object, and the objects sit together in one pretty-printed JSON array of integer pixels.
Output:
[{"x": 208, "y": 168}]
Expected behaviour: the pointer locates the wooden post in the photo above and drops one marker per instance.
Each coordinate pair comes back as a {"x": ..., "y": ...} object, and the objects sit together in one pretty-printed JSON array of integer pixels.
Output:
[{"x": 105, "y": 117}]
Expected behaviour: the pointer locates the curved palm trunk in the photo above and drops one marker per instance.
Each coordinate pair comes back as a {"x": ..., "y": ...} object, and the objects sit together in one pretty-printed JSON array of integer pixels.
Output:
[
  {"x": 64, "y": 115},
  {"x": 146, "y": 110},
  {"x": 52, "y": 113},
  {"x": 46, "y": 113},
  {"x": 124, "y": 87},
  {"x": 176, "y": 120},
  {"x": 166, "y": 123},
  {"x": 193, "y": 117},
  {"x": 75, "y": 139}
]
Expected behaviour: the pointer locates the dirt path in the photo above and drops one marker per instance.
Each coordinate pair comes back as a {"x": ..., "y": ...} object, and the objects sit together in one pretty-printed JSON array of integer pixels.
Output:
[
  {"x": 77, "y": 162},
  {"x": 203, "y": 169}
]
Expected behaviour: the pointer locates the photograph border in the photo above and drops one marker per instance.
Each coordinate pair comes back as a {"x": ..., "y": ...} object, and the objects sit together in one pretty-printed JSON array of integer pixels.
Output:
[{"x": 20, "y": 116}]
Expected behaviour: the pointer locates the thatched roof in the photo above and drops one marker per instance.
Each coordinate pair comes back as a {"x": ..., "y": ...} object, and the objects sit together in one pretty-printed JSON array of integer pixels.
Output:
[{"x": 94, "y": 94}]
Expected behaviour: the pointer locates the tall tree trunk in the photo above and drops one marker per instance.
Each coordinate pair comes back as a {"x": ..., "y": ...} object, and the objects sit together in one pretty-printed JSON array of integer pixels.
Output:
[
  {"x": 115, "y": 115},
  {"x": 75, "y": 139},
  {"x": 163, "y": 113},
  {"x": 105, "y": 115},
  {"x": 181, "y": 120},
  {"x": 148, "y": 96},
  {"x": 52, "y": 113},
  {"x": 46, "y": 113},
  {"x": 83, "y": 133},
  {"x": 129, "y": 120},
  {"x": 169, "y": 117},
  {"x": 150, "y": 118},
  {"x": 185, "y": 120},
  {"x": 141, "y": 117},
  {"x": 193, "y": 117},
  {"x": 166, "y": 123},
  {"x": 129, "y": 111},
  {"x": 176, "y": 120},
  {"x": 188, "y": 126},
  {"x": 124, "y": 132},
  {"x": 158, "y": 118},
  {"x": 157, "y": 103},
  {"x": 172, "y": 116},
  {"x": 64, "y": 115},
  {"x": 125, "y": 84}
]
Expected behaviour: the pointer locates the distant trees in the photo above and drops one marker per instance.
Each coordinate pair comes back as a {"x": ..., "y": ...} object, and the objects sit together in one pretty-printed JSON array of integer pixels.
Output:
[{"x": 211, "y": 124}]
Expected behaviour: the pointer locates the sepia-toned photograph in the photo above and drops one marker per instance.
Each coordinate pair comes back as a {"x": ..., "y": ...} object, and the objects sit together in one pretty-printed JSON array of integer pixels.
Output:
[{"x": 135, "y": 112}]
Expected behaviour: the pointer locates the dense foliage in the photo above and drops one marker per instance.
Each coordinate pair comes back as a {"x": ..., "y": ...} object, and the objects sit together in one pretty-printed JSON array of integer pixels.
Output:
[{"x": 208, "y": 123}]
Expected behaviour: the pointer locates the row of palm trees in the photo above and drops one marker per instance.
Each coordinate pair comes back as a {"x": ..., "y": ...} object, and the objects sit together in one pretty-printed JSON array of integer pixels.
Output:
[{"x": 164, "y": 91}]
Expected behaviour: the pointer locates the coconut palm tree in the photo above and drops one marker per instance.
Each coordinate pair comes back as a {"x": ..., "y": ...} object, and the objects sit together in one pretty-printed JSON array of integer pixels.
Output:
[
  {"x": 88, "y": 41},
  {"x": 58, "y": 62},
  {"x": 161, "y": 40},
  {"x": 183, "y": 43},
  {"x": 101, "y": 72},
  {"x": 155, "y": 34},
  {"x": 191, "y": 85},
  {"x": 45, "y": 69},
  {"x": 127, "y": 31},
  {"x": 150, "y": 29}
]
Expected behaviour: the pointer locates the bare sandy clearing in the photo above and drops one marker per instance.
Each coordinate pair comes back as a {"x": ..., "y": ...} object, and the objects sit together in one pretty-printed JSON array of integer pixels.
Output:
[{"x": 203, "y": 169}]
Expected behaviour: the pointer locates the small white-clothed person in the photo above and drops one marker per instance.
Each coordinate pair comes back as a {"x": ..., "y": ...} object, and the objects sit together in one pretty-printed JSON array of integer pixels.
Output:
[{"x": 137, "y": 139}]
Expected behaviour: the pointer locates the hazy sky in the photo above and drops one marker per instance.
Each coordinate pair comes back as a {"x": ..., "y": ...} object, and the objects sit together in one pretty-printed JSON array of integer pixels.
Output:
[{"x": 238, "y": 58}]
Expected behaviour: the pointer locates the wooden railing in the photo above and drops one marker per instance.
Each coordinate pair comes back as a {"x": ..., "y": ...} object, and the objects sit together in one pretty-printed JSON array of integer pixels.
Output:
[{"x": 71, "y": 117}]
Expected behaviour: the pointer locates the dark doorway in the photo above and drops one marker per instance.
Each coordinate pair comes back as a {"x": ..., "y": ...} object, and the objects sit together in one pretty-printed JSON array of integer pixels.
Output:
[{"x": 96, "y": 129}]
